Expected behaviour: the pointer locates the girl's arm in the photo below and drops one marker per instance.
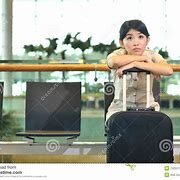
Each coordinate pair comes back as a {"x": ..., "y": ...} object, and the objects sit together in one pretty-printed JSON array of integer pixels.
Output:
[
  {"x": 118, "y": 61},
  {"x": 160, "y": 68}
]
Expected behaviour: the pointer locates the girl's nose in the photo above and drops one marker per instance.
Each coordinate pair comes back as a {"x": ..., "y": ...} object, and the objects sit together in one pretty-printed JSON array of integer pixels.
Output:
[{"x": 135, "y": 42}]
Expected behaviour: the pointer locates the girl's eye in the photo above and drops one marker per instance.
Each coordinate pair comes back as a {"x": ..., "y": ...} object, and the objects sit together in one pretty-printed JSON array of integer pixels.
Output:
[
  {"x": 141, "y": 36},
  {"x": 129, "y": 38}
]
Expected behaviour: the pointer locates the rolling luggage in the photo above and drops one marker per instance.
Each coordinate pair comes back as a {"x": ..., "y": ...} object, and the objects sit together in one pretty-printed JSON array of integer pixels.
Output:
[{"x": 139, "y": 135}]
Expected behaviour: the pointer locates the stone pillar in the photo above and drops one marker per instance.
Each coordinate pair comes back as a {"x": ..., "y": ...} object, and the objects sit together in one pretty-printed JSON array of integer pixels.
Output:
[{"x": 6, "y": 38}]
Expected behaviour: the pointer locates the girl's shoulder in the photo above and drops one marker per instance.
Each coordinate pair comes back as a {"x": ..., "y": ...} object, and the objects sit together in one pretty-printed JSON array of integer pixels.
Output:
[
  {"x": 150, "y": 52},
  {"x": 120, "y": 51}
]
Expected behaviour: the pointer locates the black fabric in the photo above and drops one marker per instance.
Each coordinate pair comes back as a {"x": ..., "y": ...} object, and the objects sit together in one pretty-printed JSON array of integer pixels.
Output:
[
  {"x": 139, "y": 137},
  {"x": 1, "y": 99}
]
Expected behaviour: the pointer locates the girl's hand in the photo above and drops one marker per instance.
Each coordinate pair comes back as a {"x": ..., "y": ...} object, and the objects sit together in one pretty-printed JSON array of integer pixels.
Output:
[
  {"x": 148, "y": 57},
  {"x": 121, "y": 69}
]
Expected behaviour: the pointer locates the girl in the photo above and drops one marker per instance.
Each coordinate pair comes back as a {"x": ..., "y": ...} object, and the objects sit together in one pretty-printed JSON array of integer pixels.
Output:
[{"x": 134, "y": 38}]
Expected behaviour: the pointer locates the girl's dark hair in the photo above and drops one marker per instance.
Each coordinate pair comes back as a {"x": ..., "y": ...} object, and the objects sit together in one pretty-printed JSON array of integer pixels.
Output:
[{"x": 133, "y": 24}]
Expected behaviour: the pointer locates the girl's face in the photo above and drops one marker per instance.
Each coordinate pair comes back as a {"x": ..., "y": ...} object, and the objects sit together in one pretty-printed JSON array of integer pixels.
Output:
[{"x": 134, "y": 42}]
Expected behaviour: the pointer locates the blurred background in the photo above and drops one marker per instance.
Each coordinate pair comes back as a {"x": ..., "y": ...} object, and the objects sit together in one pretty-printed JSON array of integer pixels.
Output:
[{"x": 81, "y": 32}]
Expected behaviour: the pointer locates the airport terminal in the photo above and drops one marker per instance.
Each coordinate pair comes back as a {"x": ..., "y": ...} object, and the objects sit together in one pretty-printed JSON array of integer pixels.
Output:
[{"x": 56, "y": 86}]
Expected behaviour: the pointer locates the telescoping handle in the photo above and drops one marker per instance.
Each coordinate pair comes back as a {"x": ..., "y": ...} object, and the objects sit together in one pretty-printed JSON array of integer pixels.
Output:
[{"x": 147, "y": 86}]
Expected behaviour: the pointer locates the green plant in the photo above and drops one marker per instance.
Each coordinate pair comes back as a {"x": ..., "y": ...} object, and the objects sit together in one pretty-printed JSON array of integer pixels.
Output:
[
  {"x": 8, "y": 126},
  {"x": 77, "y": 43},
  {"x": 163, "y": 53},
  {"x": 105, "y": 48},
  {"x": 40, "y": 49}
]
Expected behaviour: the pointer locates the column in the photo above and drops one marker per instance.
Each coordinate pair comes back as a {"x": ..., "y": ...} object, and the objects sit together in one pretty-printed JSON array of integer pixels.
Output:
[{"x": 7, "y": 43}]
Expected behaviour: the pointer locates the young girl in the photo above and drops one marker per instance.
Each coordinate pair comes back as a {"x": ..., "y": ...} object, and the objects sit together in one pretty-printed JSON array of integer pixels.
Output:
[{"x": 134, "y": 38}]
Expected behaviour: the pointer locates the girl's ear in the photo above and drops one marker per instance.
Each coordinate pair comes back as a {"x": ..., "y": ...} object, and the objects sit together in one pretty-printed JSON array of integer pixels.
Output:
[{"x": 121, "y": 43}]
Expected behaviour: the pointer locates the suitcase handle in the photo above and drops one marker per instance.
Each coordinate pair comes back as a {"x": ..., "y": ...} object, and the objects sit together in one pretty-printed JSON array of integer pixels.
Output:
[
  {"x": 147, "y": 86},
  {"x": 135, "y": 70},
  {"x": 140, "y": 109}
]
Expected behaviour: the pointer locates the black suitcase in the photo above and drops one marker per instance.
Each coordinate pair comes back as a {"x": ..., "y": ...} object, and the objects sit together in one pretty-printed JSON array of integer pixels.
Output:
[{"x": 139, "y": 136}]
